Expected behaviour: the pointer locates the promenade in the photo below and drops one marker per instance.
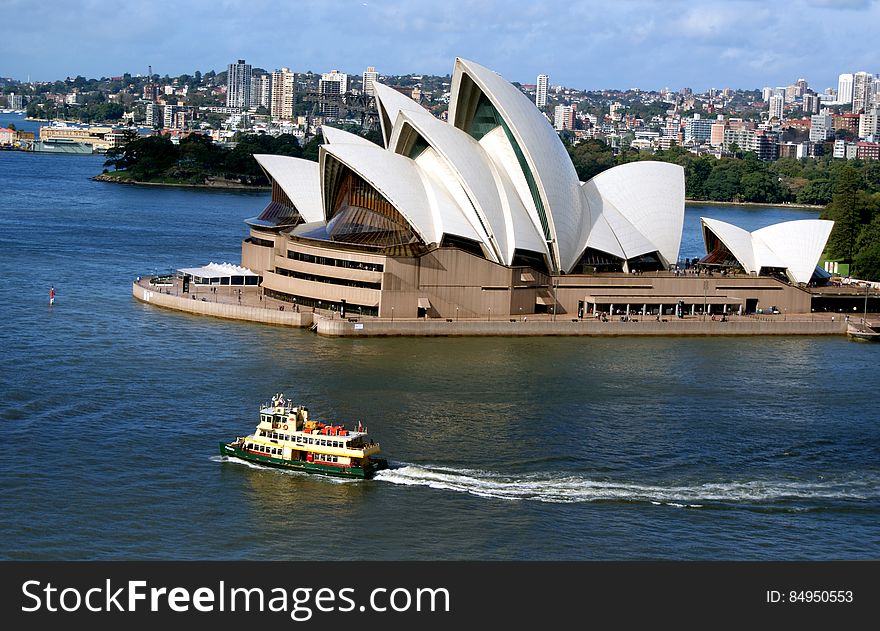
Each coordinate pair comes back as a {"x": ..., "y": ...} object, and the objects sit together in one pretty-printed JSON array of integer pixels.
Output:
[{"x": 225, "y": 302}]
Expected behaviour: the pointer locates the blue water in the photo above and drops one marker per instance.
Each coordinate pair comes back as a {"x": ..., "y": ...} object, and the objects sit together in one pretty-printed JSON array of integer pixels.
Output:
[{"x": 764, "y": 448}]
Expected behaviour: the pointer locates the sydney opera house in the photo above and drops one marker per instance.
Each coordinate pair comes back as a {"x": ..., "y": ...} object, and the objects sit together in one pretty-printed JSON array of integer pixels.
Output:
[{"x": 483, "y": 215}]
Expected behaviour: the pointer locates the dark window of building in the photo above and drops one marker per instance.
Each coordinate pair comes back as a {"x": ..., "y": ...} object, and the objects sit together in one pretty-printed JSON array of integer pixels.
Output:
[
  {"x": 345, "y": 282},
  {"x": 324, "y": 260}
]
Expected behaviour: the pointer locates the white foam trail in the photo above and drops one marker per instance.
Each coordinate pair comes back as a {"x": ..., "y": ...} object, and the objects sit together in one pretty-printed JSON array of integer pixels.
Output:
[{"x": 567, "y": 489}]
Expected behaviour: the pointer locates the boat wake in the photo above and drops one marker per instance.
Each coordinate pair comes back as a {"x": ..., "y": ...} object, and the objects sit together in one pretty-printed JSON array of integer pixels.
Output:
[{"x": 570, "y": 489}]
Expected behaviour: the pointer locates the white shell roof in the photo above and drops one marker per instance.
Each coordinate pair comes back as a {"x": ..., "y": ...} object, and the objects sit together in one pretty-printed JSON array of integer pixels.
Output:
[
  {"x": 392, "y": 102},
  {"x": 426, "y": 206},
  {"x": 340, "y": 136},
  {"x": 649, "y": 195},
  {"x": 491, "y": 195},
  {"x": 799, "y": 243},
  {"x": 793, "y": 245},
  {"x": 299, "y": 179},
  {"x": 549, "y": 161},
  {"x": 477, "y": 189}
]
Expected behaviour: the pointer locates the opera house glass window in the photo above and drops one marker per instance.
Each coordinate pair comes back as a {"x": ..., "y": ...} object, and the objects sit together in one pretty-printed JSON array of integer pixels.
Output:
[{"x": 362, "y": 215}]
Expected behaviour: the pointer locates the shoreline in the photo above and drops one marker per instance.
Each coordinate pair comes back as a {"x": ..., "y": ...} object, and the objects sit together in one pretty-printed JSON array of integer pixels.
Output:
[
  {"x": 704, "y": 202},
  {"x": 224, "y": 302},
  {"x": 220, "y": 185}
]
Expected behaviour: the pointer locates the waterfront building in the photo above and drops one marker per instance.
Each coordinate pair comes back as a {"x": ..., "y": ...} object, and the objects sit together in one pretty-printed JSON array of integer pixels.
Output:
[
  {"x": 777, "y": 103},
  {"x": 821, "y": 127},
  {"x": 15, "y": 101},
  {"x": 98, "y": 138},
  {"x": 845, "y": 88},
  {"x": 370, "y": 76},
  {"x": 481, "y": 216},
  {"x": 541, "y": 91},
  {"x": 261, "y": 90},
  {"x": 283, "y": 94},
  {"x": 7, "y": 136}
]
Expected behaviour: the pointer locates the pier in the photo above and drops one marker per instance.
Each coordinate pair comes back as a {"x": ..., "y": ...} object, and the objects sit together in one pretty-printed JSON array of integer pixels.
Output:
[{"x": 224, "y": 302}]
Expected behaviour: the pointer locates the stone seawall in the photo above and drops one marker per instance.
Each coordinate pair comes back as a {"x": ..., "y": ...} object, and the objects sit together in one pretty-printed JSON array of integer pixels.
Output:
[
  {"x": 222, "y": 309},
  {"x": 374, "y": 328}
]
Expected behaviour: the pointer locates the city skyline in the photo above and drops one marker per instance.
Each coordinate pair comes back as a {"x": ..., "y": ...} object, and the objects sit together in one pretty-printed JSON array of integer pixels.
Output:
[{"x": 587, "y": 45}]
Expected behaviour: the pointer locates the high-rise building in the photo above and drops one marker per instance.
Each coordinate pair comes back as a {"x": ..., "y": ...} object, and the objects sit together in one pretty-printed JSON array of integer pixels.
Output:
[
  {"x": 863, "y": 83},
  {"x": 766, "y": 93},
  {"x": 869, "y": 123},
  {"x": 845, "y": 88},
  {"x": 563, "y": 117},
  {"x": 261, "y": 90},
  {"x": 283, "y": 92},
  {"x": 698, "y": 129},
  {"x": 153, "y": 115},
  {"x": 370, "y": 76},
  {"x": 811, "y": 103},
  {"x": 333, "y": 83},
  {"x": 541, "y": 91},
  {"x": 238, "y": 84},
  {"x": 821, "y": 127},
  {"x": 777, "y": 103},
  {"x": 718, "y": 127}
]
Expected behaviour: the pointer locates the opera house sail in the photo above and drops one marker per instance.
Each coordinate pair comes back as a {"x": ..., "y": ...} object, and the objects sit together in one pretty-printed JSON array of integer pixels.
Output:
[{"x": 478, "y": 215}]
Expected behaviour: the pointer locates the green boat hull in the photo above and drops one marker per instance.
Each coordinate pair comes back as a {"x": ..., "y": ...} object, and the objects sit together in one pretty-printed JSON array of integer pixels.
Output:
[{"x": 362, "y": 473}]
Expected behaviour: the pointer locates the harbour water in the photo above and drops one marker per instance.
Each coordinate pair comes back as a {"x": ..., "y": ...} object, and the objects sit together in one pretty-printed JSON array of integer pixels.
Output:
[{"x": 501, "y": 448}]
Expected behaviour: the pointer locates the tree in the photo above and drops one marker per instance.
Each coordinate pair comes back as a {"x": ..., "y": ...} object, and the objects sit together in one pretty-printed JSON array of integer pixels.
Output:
[
  {"x": 845, "y": 211},
  {"x": 590, "y": 158}
]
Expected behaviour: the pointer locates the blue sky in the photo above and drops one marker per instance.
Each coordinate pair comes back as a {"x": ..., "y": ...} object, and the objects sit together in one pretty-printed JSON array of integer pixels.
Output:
[{"x": 583, "y": 44}]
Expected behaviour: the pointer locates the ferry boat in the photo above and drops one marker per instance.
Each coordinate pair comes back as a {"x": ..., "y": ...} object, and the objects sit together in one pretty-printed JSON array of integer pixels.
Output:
[{"x": 287, "y": 438}]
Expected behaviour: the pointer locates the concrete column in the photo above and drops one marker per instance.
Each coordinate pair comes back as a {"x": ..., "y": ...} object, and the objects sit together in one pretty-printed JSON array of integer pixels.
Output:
[
  {"x": 611, "y": 309},
  {"x": 693, "y": 309},
  {"x": 644, "y": 310},
  {"x": 627, "y": 309},
  {"x": 661, "y": 310}
]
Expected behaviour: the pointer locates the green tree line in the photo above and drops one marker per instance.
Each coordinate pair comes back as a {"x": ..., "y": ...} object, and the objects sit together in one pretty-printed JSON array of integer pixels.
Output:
[
  {"x": 738, "y": 179},
  {"x": 197, "y": 157}
]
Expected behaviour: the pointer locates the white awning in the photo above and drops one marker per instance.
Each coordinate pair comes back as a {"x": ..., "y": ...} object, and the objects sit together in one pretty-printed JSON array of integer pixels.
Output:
[
  {"x": 424, "y": 303},
  {"x": 543, "y": 300},
  {"x": 217, "y": 270}
]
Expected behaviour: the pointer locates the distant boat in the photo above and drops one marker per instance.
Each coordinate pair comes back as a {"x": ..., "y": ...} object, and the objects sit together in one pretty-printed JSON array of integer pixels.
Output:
[{"x": 62, "y": 145}]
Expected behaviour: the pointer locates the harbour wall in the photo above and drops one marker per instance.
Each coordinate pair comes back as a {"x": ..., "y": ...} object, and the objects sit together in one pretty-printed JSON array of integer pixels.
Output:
[
  {"x": 377, "y": 328},
  {"x": 222, "y": 309}
]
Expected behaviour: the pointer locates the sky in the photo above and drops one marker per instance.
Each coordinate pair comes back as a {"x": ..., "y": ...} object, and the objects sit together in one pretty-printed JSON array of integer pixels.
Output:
[{"x": 615, "y": 44}]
